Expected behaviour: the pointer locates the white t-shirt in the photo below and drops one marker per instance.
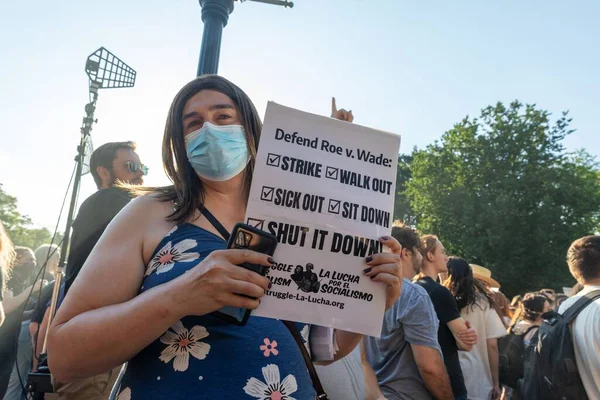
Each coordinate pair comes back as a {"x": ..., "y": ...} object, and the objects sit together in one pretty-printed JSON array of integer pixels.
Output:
[
  {"x": 344, "y": 379},
  {"x": 586, "y": 340},
  {"x": 475, "y": 364}
]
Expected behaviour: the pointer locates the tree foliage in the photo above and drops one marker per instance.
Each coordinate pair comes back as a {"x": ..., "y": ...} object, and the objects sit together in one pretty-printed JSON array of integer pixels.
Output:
[
  {"x": 501, "y": 191},
  {"x": 402, "y": 208},
  {"x": 18, "y": 226}
]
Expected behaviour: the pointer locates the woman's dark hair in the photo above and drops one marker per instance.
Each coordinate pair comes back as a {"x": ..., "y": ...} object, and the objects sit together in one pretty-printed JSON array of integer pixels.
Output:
[
  {"x": 533, "y": 306},
  {"x": 187, "y": 191},
  {"x": 467, "y": 290}
]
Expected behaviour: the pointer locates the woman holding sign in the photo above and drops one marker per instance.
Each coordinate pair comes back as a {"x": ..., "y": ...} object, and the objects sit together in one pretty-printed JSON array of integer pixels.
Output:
[{"x": 146, "y": 291}]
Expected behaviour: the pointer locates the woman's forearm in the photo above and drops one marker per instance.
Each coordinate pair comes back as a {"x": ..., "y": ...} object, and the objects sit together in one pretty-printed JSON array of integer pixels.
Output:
[
  {"x": 492, "y": 345},
  {"x": 10, "y": 304},
  {"x": 346, "y": 341},
  {"x": 101, "y": 339}
]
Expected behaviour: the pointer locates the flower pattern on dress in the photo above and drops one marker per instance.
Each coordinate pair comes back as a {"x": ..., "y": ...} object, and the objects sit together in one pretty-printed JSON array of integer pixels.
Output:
[
  {"x": 166, "y": 258},
  {"x": 125, "y": 394},
  {"x": 272, "y": 388},
  {"x": 269, "y": 348},
  {"x": 182, "y": 342}
]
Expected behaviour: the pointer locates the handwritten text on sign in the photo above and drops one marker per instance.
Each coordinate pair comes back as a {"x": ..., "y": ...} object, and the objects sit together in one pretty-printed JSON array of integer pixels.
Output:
[{"x": 325, "y": 188}]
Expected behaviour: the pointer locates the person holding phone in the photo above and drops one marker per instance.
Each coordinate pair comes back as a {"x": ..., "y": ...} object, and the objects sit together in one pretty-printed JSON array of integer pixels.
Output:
[{"x": 147, "y": 291}]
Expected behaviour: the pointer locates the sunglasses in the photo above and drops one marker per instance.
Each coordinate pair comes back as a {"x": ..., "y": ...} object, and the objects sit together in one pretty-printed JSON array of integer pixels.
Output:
[{"x": 135, "y": 167}]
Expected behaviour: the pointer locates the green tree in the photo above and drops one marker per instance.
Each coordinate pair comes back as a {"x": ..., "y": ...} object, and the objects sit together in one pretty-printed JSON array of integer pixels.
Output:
[
  {"x": 501, "y": 191},
  {"x": 402, "y": 208},
  {"x": 18, "y": 226}
]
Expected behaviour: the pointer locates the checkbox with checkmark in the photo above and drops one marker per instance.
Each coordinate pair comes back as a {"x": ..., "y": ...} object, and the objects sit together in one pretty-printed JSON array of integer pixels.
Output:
[
  {"x": 266, "y": 193},
  {"x": 273, "y": 159},
  {"x": 332, "y": 173},
  {"x": 334, "y": 206},
  {"x": 256, "y": 223}
]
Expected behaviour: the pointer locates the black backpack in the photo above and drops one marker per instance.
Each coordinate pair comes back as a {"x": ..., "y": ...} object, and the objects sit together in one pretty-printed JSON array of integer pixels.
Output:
[
  {"x": 511, "y": 351},
  {"x": 551, "y": 370}
]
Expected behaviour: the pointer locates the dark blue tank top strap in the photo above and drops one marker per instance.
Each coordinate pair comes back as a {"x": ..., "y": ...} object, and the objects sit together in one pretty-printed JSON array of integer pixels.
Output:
[{"x": 214, "y": 222}]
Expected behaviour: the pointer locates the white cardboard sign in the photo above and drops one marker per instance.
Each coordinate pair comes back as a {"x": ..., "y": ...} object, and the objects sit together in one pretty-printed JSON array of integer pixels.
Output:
[{"x": 325, "y": 188}]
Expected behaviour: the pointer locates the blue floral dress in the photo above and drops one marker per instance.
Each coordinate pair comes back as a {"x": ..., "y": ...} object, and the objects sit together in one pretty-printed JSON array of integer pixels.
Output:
[{"x": 206, "y": 358}]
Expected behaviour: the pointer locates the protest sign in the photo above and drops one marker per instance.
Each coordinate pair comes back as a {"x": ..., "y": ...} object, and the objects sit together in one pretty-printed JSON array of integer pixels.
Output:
[{"x": 325, "y": 188}]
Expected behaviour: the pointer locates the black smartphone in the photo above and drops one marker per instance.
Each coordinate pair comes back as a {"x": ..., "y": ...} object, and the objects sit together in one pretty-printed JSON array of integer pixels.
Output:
[{"x": 245, "y": 236}]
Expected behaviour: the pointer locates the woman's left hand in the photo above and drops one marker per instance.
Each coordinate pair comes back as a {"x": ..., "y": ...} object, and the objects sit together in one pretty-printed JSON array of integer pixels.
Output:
[{"x": 387, "y": 268}]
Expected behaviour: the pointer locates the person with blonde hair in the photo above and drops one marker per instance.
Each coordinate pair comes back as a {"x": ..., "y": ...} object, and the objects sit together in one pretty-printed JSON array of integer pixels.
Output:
[
  {"x": 451, "y": 323},
  {"x": 46, "y": 258},
  {"x": 7, "y": 254},
  {"x": 20, "y": 287}
]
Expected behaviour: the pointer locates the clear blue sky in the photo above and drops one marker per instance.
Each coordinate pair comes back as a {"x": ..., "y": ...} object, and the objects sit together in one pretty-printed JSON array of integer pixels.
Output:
[{"x": 409, "y": 67}]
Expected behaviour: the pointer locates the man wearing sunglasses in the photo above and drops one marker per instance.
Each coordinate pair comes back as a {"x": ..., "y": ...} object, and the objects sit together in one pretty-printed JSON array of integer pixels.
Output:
[{"x": 110, "y": 164}]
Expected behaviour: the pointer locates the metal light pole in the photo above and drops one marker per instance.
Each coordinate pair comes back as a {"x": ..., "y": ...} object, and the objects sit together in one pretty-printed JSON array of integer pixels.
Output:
[
  {"x": 105, "y": 71},
  {"x": 215, "y": 14}
]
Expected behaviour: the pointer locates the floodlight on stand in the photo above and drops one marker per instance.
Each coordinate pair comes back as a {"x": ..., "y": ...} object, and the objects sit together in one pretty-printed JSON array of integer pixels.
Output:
[
  {"x": 108, "y": 71},
  {"x": 105, "y": 71}
]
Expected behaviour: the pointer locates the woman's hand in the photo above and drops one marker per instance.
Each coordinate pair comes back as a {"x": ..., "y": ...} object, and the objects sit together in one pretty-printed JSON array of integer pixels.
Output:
[
  {"x": 387, "y": 268},
  {"x": 495, "y": 393},
  {"x": 219, "y": 281},
  {"x": 340, "y": 114}
]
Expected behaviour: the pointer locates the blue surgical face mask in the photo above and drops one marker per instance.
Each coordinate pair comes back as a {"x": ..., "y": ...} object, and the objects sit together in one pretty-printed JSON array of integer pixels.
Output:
[{"x": 217, "y": 152}]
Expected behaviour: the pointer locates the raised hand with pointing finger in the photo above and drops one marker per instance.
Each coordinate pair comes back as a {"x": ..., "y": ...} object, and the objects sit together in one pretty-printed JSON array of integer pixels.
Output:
[{"x": 340, "y": 114}]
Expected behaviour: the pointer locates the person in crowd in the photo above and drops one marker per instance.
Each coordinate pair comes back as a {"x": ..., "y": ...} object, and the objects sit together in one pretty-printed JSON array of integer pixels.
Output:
[
  {"x": 515, "y": 304},
  {"x": 407, "y": 359},
  {"x": 502, "y": 307},
  {"x": 51, "y": 253},
  {"x": 560, "y": 298},
  {"x": 111, "y": 164},
  {"x": 46, "y": 258},
  {"x": 500, "y": 302},
  {"x": 451, "y": 323},
  {"x": 583, "y": 258},
  {"x": 7, "y": 254},
  {"x": 20, "y": 287},
  {"x": 167, "y": 249},
  {"x": 578, "y": 287},
  {"x": 529, "y": 316},
  {"x": 550, "y": 295},
  {"x": 480, "y": 366}
]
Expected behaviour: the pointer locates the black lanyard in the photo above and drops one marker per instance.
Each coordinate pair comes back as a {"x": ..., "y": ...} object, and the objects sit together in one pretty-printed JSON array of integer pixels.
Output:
[{"x": 215, "y": 223}]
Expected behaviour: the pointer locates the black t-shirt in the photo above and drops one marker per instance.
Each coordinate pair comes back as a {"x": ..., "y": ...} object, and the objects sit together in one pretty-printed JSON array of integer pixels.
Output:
[
  {"x": 94, "y": 215},
  {"x": 446, "y": 310}
]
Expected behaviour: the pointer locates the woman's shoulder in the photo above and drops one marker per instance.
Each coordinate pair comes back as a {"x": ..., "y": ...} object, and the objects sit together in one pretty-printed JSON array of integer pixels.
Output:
[{"x": 148, "y": 208}]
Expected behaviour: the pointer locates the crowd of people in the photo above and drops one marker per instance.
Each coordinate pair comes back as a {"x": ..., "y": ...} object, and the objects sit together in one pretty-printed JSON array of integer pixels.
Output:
[{"x": 143, "y": 277}]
